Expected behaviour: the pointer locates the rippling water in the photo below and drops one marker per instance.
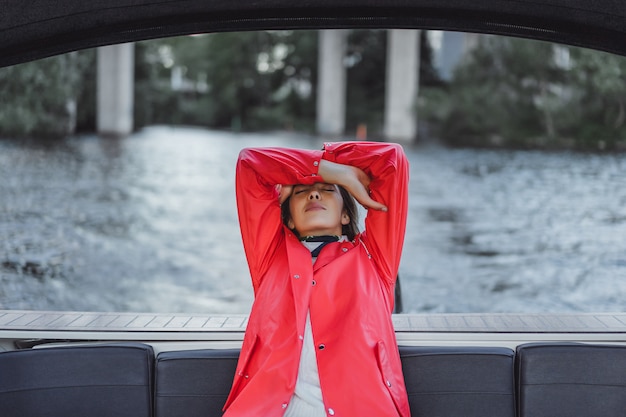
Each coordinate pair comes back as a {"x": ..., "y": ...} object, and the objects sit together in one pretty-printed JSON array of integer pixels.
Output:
[{"x": 149, "y": 224}]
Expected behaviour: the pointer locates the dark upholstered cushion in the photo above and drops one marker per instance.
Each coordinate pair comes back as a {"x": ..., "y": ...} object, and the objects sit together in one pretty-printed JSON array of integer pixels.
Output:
[
  {"x": 96, "y": 381},
  {"x": 459, "y": 381},
  {"x": 194, "y": 383},
  {"x": 571, "y": 380}
]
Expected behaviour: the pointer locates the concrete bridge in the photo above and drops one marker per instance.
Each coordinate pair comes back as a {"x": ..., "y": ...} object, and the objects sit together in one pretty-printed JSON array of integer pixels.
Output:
[{"x": 116, "y": 69}]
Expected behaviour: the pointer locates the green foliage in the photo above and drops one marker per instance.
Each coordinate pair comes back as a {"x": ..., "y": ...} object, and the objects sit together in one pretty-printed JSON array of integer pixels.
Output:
[
  {"x": 154, "y": 101},
  {"x": 250, "y": 80},
  {"x": 366, "y": 79},
  {"x": 86, "y": 98},
  {"x": 259, "y": 86},
  {"x": 600, "y": 98},
  {"x": 41, "y": 98},
  {"x": 519, "y": 93},
  {"x": 296, "y": 84}
]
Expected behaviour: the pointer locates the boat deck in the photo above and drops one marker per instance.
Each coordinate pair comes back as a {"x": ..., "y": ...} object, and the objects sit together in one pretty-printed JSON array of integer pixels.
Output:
[{"x": 410, "y": 328}]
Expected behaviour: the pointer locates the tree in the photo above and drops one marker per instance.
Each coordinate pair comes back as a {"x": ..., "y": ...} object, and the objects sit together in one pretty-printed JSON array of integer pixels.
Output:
[
  {"x": 294, "y": 80},
  {"x": 366, "y": 62},
  {"x": 599, "y": 99},
  {"x": 40, "y": 98},
  {"x": 521, "y": 93},
  {"x": 244, "y": 80}
]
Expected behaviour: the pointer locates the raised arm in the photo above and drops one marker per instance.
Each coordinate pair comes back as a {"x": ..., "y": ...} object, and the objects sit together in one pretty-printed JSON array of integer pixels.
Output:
[
  {"x": 387, "y": 169},
  {"x": 376, "y": 174},
  {"x": 259, "y": 172},
  {"x": 353, "y": 179}
]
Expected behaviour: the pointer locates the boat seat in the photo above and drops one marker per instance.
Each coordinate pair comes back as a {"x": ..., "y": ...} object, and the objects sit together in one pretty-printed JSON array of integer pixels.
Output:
[
  {"x": 459, "y": 381},
  {"x": 193, "y": 383},
  {"x": 77, "y": 381},
  {"x": 571, "y": 380}
]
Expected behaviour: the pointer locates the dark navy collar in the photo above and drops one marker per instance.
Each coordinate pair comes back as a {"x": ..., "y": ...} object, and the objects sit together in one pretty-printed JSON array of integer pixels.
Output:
[{"x": 322, "y": 240}]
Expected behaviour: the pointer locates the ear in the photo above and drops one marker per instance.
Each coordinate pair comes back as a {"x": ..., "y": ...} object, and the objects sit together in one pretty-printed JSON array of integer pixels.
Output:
[
  {"x": 290, "y": 224},
  {"x": 345, "y": 219}
]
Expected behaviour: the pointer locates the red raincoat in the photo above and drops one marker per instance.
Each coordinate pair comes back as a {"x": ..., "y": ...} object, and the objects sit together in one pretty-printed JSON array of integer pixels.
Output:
[{"x": 349, "y": 290}]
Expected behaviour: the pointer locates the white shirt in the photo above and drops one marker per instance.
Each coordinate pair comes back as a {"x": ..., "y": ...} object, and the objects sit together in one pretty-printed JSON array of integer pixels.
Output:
[{"x": 307, "y": 397}]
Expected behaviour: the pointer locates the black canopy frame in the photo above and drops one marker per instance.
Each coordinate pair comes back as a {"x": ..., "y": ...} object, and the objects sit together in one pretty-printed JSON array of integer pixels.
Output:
[{"x": 33, "y": 29}]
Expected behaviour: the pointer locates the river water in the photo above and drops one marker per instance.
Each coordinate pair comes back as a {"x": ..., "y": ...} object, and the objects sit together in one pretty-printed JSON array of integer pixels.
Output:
[{"x": 148, "y": 224}]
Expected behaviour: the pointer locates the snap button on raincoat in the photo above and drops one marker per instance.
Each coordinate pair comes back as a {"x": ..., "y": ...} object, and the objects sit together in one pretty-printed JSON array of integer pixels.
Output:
[{"x": 350, "y": 304}]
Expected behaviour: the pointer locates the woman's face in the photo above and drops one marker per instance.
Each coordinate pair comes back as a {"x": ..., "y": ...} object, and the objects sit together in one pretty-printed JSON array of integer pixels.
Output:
[{"x": 317, "y": 210}]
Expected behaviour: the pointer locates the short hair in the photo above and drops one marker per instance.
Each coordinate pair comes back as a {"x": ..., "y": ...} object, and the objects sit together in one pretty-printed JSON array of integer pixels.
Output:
[{"x": 349, "y": 206}]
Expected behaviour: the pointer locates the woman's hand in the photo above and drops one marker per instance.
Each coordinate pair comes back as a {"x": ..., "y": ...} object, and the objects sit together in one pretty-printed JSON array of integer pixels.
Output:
[{"x": 353, "y": 179}]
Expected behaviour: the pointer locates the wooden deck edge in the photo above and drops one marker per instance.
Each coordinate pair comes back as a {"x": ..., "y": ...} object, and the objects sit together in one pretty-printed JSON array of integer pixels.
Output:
[{"x": 59, "y": 321}]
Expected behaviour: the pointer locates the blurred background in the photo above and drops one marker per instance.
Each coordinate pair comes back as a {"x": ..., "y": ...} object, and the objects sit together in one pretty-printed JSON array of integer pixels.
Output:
[{"x": 117, "y": 166}]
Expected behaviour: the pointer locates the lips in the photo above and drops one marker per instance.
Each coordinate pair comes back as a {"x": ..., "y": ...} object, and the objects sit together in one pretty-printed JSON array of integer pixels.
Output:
[{"x": 314, "y": 207}]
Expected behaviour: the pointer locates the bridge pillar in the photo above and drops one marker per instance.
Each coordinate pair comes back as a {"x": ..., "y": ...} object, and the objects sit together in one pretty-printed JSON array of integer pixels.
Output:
[
  {"x": 402, "y": 85},
  {"x": 331, "y": 92},
  {"x": 115, "y": 87}
]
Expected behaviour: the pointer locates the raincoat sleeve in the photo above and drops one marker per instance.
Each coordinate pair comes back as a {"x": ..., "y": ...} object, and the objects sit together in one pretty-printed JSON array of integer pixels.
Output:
[
  {"x": 388, "y": 169},
  {"x": 258, "y": 172}
]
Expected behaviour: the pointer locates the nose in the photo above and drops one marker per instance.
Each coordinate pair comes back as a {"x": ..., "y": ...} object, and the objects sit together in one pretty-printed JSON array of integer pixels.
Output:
[{"x": 314, "y": 195}]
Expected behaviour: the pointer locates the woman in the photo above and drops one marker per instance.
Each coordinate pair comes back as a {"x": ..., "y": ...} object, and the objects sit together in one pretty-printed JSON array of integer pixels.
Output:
[{"x": 319, "y": 340}]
